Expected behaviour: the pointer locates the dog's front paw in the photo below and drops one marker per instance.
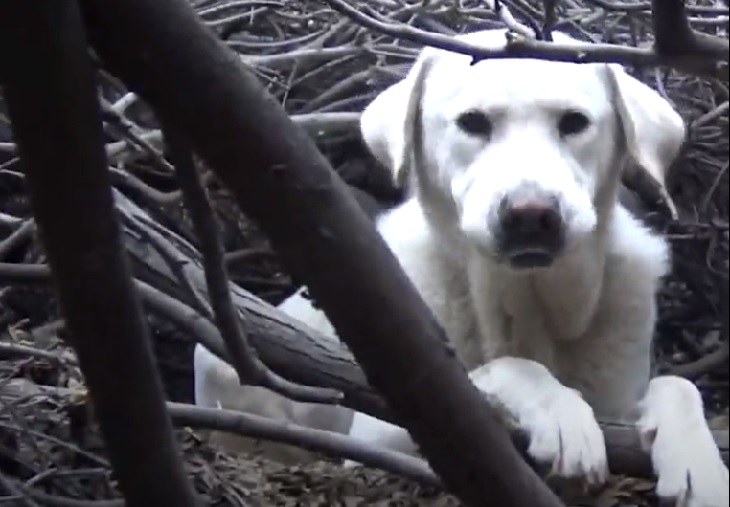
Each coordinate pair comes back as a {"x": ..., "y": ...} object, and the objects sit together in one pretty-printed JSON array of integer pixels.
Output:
[
  {"x": 688, "y": 466},
  {"x": 565, "y": 435}
]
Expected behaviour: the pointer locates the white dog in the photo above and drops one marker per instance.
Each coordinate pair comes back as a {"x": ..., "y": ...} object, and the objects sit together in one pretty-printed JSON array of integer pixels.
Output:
[{"x": 515, "y": 239}]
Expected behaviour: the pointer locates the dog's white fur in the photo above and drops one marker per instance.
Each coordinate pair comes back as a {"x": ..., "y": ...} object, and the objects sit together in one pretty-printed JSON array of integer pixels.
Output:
[{"x": 554, "y": 347}]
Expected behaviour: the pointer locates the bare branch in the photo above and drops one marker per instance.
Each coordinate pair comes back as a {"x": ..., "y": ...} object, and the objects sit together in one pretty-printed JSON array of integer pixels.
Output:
[
  {"x": 647, "y": 6},
  {"x": 509, "y": 20},
  {"x": 709, "y": 63},
  {"x": 248, "y": 366},
  {"x": 12, "y": 489},
  {"x": 334, "y": 444},
  {"x": 128, "y": 131},
  {"x": 17, "y": 238},
  {"x": 696, "y": 369}
]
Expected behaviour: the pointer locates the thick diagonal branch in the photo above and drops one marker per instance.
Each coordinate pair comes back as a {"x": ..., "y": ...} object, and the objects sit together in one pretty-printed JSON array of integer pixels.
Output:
[
  {"x": 280, "y": 179},
  {"x": 51, "y": 97}
]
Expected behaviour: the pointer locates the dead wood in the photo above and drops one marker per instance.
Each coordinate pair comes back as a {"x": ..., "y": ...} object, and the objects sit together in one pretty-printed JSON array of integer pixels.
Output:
[{"x": 59, "y": 134}]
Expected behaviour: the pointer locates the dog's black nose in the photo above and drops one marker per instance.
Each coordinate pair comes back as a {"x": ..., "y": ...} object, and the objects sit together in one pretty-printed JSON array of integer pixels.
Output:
[{"x": 531, "y": 229}]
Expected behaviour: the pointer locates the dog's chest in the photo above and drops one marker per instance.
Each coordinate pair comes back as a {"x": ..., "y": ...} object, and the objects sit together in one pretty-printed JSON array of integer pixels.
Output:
[
  {"x": 527, "y": 331},
  {"x": 484, "y": 326}
]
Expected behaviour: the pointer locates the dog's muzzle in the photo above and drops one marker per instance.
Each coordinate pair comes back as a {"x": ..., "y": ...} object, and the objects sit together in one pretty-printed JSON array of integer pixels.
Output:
[{"x": 530, "y": 230}]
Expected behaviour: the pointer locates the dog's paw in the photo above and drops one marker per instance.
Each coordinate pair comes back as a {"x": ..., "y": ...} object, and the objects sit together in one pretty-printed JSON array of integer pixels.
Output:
[
  {"x": 565, "y": 435},
  {"x": 689, "y": 468}
]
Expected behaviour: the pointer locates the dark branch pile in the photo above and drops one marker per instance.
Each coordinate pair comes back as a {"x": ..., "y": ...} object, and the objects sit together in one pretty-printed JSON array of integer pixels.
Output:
[{"x": 325, "y": 68}]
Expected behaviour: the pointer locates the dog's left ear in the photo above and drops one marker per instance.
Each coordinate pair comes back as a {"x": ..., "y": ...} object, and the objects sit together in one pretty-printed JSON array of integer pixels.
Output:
[{"x": 654, "y": 131}]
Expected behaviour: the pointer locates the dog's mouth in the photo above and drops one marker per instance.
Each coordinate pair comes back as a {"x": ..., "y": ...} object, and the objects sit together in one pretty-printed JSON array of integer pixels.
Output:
[
  {"x": 530, "y": 255},
  {"x": 530, "y": 259}
]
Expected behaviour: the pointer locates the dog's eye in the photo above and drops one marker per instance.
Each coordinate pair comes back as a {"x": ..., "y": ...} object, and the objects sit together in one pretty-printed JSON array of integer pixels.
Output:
[
  {"x": 572, "y": 123},
  {"x": 475, "y": 123}
]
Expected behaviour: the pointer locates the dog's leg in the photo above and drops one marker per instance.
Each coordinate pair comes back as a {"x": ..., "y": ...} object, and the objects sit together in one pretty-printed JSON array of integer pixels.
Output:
[
  {"x": 560, "y": 425},
  {"x": 686, "y": 459},
  {"x": 380, "y": 433}
]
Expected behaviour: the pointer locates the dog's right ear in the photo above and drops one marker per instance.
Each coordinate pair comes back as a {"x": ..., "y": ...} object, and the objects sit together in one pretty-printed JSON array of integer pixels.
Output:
[{"x": 389, "y": 122}]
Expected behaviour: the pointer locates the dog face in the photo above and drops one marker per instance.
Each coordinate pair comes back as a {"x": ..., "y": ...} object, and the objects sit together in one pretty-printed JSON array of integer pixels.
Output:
[{"x": 524, "y": 156}]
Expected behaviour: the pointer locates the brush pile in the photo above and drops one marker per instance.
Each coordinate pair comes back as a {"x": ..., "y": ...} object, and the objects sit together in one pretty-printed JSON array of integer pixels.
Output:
[{"x": 324, "y": 68}]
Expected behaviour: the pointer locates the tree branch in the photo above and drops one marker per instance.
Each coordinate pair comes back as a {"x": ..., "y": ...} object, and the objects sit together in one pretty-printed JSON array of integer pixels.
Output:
[
  {"x": 248, "y": 366},
  {"x": 334, "y": 444},
  {"x": 51, "y": 98},
  {"x": 710, "y": 59}
]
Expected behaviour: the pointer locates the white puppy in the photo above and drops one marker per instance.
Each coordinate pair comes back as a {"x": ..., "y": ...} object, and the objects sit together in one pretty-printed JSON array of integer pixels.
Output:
[{"x": 543, "y": 282}]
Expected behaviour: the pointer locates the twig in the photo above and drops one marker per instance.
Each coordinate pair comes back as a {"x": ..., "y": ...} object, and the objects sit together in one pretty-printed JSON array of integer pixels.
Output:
[
  {"x": 705, "y": 364},
  {"x": 121, "y": 105},
  {"x": 15, "y": 490},
  {"x": 250, "y": 369},
  {"x": 98, "y": 460},
  {"x": 7, "y": 148},
  {"x": 249, "y": 425},
  {"x": 334, "y": 444},
  {"x": 516, "y": 46},
  {"x": 499, "y": 7},
  {"x": 710, "y": 116},
  {"x": 647, "y": 6},
  {"x": 123, "y": 178},
  {"x": 17, "y": 238},
  {"x": 317, "y": 124},
  {"x": 18, "y": 350},
  {"x": 237, "y": 18},
  {"x": 59, "y": 501},
  {"x": 124, "y": 150},
  {"x": 239, "y": 4},
  {"x": 128, "y": 131}
]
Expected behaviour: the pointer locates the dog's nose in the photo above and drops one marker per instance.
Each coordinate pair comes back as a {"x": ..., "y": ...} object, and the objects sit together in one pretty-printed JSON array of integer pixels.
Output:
[
  {"x": 531, "y": 228},
  {"x": 536, "y": 218}
]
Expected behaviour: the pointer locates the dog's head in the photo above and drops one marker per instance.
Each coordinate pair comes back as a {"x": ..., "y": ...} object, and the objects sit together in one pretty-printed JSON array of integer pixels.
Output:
[{"x": 522, "y": 157}]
